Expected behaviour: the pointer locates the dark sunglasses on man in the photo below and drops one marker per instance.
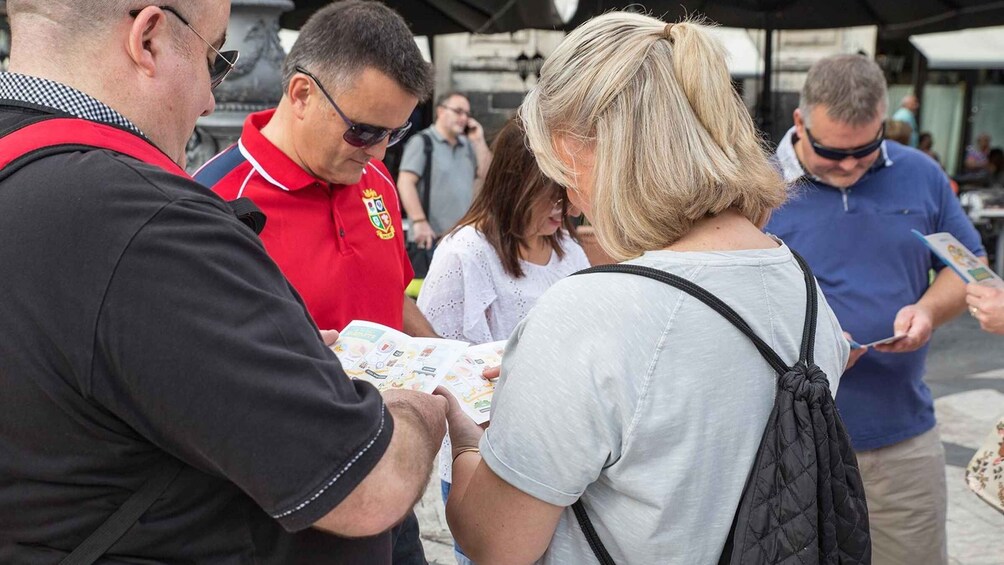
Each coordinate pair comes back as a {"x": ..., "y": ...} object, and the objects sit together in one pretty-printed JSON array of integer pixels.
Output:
[
  {"x": 360, "y": 135},
  {"x": 840, "y": 154},
  {"x": 224, "y": 61}
]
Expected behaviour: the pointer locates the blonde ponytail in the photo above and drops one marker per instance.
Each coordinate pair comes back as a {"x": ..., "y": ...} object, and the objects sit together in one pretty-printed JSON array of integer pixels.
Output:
[{"x": 673, "y": 142}]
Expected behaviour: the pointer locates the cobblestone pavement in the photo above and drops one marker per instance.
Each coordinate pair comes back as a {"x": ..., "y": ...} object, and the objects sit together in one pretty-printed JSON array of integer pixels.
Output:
[{"x": 966, "y": 375}]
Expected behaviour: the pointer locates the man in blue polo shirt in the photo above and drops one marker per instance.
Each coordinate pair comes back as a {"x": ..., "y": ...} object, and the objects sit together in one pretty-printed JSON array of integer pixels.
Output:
[{"x": 857, "y": 198}]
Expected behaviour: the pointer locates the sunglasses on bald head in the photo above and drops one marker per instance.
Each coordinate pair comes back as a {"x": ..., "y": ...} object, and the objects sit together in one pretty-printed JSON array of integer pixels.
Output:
[
  {"x": 840, "y": 154},
  {"x": 360, "y": 135},
  {"x": 222, "y": 63}
]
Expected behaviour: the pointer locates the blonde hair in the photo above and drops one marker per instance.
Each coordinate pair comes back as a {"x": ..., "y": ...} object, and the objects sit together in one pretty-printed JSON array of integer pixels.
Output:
[{"x": 673, "y": 141}]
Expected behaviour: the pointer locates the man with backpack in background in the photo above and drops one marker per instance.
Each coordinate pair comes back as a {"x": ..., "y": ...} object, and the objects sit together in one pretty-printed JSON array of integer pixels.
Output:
[{"x": 441, "y": 169}]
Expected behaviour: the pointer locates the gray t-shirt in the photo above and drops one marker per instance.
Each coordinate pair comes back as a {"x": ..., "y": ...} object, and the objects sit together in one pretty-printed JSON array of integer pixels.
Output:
[
  {"x": 646, "y": 403},
  {"x": 454, "y": 168}
]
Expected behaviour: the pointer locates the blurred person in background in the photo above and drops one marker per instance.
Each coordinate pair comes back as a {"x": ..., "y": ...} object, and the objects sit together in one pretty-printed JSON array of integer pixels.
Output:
[
  {"x": 455, "y": 144},
  {"x": 907, "y": 114},
  {"x": 926, "y": 145}
]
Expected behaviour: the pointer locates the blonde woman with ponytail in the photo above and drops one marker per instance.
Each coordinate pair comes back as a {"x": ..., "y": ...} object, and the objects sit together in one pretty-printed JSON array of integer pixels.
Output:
[{"x": 619, "y": 390}]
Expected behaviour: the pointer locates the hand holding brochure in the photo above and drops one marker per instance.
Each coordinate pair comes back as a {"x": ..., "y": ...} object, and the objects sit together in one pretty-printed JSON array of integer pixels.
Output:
[
  {"x": 960, "y": 259},
  {"x": 387, "y": 359}
]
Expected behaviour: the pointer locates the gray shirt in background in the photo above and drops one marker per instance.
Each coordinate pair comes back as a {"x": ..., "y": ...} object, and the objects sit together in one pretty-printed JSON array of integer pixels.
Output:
[
  {"x": 646, "y": 403},
  {"x": 454, "y": 169}
]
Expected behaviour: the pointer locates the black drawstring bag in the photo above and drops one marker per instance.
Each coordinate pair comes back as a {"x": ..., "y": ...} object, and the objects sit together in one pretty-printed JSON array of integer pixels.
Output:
[{"x": 804, "y": 502}]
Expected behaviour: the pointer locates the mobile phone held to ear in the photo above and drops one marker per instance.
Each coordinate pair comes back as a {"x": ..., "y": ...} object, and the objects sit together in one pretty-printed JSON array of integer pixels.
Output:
[{"x": 468, "y": 129}]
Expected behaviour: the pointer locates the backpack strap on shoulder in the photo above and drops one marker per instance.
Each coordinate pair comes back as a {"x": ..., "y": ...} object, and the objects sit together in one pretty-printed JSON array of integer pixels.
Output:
[
  {"x": 60, "y": 134},
  {"x": 805, "y": 358},
  {"x": 52, "y": 135},
  {"x": 48, "y": 136},
  {"x": 806, "y": 355},
  {"x": 99, "y": 542},
  {"x": 427, "y": 173},
  {"x": 704, "y": 296}
]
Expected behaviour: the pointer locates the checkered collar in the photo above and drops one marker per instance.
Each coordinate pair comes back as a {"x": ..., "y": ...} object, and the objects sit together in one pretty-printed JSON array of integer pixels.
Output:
[{"x": 43, "y": 92}]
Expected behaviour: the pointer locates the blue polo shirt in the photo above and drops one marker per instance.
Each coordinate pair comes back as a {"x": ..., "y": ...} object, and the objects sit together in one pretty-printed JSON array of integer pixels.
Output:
[{"x": 869, "y": 265}]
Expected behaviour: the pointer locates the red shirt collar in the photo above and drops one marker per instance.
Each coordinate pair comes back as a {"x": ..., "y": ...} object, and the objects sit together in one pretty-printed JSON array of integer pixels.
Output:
[{"x": 268, "y": 160}]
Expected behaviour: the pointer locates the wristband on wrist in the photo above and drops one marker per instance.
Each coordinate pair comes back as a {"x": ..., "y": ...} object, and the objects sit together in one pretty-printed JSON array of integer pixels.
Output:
[
  {"x": 419, "y": 220},
  {"x": 465, "y": 450}
]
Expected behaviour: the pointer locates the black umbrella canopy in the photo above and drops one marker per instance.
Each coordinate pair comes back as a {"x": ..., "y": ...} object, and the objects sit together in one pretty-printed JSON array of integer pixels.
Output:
[
  {"x": 894, "y": 17},
  {"x": 435, "y": 17}
]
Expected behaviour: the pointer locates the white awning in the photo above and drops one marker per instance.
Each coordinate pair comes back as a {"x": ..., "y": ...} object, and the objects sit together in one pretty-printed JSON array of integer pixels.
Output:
[
  {"x": 978, "y": 48},
  {"x": 744, "y": 57}
]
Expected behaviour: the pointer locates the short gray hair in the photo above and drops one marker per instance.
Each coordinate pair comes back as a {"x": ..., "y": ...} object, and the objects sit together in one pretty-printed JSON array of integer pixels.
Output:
[
  {"x": 852, "y": 88},
  {"x": 344, "y": 38},
  {"x": 73, "y": 15},
  {"x": 78, "y": 21}
]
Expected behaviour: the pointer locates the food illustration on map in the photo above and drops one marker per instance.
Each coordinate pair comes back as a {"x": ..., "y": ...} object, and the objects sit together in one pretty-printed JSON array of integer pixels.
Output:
[
  {"x": 389, "y": 359},
  {"x": 465, "y": 382}
]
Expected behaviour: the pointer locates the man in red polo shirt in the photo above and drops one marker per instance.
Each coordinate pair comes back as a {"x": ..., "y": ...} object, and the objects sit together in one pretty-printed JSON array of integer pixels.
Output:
[{"x": 312, "y": 165}]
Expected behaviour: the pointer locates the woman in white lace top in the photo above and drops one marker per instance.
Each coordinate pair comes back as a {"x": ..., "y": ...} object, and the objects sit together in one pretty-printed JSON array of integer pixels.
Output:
[
  {"x": 510, "y": 247},
  {"x": 505, "y": 252}
]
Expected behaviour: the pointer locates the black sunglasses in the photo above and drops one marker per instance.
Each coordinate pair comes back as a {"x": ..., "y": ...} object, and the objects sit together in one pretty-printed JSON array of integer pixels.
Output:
[
  {"x": 224, "y": 61},
  {"x": 841, "y": 154},
  {"x": 360, "y": 135}
]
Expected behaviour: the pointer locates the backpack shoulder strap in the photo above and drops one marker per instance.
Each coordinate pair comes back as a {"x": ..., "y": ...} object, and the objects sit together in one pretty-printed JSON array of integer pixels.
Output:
[
  {"x": 40, "y": 138},
  {"x": 807, "y": 351},
  {"x": 806, "y": 355},
  {"x": 775, "y": 361},
  {"x": 49, "y": 136},
  {"x": 704, "y": 296},
  {"x": 427, "y": 173},
  {"x": 99, "y": 542}
]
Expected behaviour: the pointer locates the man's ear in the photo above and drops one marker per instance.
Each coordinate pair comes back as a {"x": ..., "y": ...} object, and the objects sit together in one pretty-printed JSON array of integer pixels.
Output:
[
  {"x": 146, "y": 36},
  {"x": 298, "y": 92},
  {"x": 799, "y": 122}
]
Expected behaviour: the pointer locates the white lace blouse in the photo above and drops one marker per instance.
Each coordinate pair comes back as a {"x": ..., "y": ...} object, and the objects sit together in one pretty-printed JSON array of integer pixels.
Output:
[{"x": 468, "y": 295}]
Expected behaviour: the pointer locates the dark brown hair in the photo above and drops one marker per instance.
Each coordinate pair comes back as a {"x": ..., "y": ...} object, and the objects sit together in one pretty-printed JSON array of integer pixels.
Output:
[
  {"x": 503, "y": 209},
  {"x": 345, "y": 38}
]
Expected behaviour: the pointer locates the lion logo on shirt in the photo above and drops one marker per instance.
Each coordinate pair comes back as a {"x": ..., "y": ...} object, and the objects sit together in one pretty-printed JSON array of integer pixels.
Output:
[{"x": 379, "y": 216}]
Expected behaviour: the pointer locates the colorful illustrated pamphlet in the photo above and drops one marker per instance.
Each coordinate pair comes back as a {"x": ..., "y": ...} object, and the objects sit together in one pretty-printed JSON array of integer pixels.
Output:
[
  {"x": 960, "y": 259},
  {"x": 387, "y": 358},
  {"x": 464, "y": 381}
]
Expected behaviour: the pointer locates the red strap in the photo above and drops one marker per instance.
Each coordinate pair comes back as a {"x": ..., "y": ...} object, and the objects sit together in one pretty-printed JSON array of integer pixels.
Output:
[{"x": 74, "y": 131}]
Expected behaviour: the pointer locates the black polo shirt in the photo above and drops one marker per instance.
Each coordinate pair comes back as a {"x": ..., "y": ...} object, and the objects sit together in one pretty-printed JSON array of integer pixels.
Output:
[{"x": 140, "y": 321}]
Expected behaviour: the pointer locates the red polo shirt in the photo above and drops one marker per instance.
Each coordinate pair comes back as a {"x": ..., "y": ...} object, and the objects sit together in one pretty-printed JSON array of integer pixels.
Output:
[{"x": 341, "y": 246}]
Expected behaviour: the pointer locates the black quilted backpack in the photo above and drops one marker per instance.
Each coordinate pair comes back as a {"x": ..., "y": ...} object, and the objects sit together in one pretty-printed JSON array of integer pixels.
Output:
[{"x": 803, "y": 502}]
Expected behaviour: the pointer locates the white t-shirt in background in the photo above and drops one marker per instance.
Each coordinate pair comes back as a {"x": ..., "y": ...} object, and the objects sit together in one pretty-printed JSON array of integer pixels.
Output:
[{"x": 468, "y": 295}]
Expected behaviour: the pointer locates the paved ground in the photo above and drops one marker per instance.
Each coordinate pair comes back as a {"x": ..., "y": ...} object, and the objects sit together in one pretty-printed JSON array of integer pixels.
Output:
[{"x": 966, "y": 375}]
